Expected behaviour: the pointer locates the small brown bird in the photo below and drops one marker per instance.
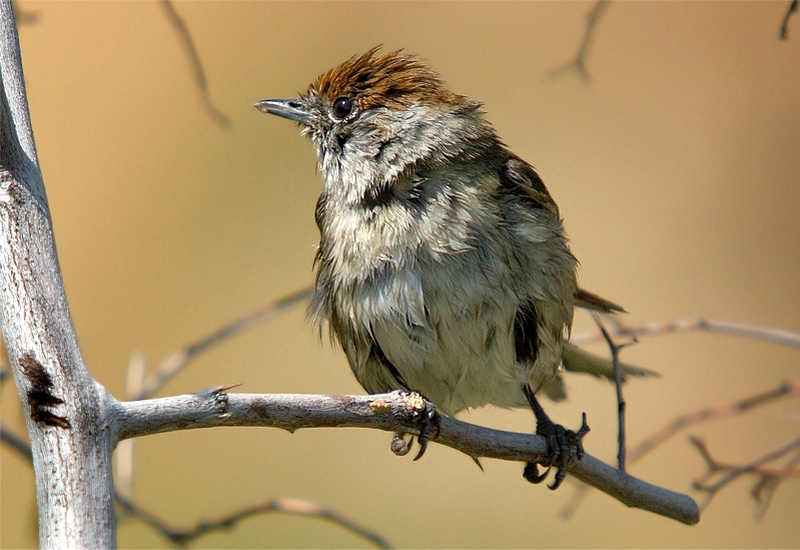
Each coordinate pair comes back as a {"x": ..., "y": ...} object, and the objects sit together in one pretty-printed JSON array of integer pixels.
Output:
[{"x": 443, "y": 266}]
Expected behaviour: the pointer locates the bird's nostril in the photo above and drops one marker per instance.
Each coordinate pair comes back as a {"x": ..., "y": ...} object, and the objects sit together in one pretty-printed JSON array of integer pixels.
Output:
[{"x": 295, "y": 104}]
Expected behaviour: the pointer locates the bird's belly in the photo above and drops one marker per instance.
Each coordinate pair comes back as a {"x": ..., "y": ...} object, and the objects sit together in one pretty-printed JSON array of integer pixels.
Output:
[{"x": 450, "y": 336}]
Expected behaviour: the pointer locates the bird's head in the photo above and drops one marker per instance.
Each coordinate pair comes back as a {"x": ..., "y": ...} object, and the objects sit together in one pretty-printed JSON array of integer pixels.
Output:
[{"x": 375, "y": 115}]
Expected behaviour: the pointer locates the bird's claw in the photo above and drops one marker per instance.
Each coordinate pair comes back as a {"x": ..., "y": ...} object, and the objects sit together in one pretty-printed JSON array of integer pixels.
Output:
[
  {"x": 429, "y": 427},
  {"x": 400, "y": 446},
  {"x": 562, "y": 444}
]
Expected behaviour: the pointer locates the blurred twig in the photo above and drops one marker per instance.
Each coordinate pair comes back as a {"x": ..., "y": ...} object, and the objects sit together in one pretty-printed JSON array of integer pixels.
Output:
[
  {"x": 792, "y": 9},
  {"x": 765, "y": 489},
  {"x": 190, "y": 50},
  {"x": 722, "y": 410},
  {"x": 654, "y": 328},
  {"x": 183, "y": 537},
  {"x": 767, "y": 479},
  {"x": 686, "y": 420},
  {"x": 25, "y": 17},
  {"x": 175, "y": 362},
  {"x": 138, "y": 387},
  {"x": 578, "y": 63},
  {"x": 16, "y": 442}
]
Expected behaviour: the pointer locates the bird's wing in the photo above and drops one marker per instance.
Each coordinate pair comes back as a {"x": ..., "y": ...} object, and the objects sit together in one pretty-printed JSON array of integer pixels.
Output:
[
  {"x": 520, "y": 178},
  {"x": 526, "y": 346}
]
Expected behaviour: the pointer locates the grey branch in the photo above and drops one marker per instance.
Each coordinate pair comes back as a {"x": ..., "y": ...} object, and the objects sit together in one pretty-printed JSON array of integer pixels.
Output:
[{"x": 388, "y": 412}]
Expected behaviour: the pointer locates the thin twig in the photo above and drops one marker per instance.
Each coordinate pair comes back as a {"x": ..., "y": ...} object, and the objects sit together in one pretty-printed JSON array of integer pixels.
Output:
[
  {"x": 183, "y": 537},
  {"x": 794, "y": 5},
  {"x": 618, "y": 384},
  {"x": 194, "y": 62},
  {"x": 175, "y": 362},
  {"x": 683, "y": 421},
  {"x": 578, "y": 63},
  {"x": 137, "y": 388}
]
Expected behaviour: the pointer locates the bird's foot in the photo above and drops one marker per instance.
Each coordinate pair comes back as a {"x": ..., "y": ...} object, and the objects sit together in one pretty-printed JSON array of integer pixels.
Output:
[
  {"x": 422, "y": 415},
  {"x": 562, "y": 445}
]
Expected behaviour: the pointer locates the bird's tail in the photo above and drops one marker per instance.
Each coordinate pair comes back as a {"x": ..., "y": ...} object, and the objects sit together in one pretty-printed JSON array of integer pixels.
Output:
[{"x": 588, "y": 300}]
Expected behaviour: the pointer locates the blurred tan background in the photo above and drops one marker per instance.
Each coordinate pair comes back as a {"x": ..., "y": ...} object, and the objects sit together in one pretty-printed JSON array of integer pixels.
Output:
[{"x": 676, "y": 168}]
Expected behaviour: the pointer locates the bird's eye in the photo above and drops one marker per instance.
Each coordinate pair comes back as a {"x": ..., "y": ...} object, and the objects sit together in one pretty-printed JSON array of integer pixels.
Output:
[{"x": 342, "y": 107}]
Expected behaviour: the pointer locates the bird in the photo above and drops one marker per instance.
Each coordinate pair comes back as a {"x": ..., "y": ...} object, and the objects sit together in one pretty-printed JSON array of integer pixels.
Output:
[{"x": 443, "y": 266}]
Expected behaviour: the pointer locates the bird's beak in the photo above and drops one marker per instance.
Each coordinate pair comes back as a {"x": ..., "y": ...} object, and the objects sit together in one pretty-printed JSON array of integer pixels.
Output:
[{"x": 287, "y": 108}]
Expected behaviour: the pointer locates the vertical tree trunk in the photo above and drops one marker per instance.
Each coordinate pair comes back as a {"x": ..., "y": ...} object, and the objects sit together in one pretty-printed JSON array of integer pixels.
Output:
[{"x": 64, "y": 407}]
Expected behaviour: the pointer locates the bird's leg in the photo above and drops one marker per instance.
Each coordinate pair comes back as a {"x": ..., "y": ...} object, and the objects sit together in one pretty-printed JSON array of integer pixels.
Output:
[
  {"x": 562, "y": 444},
  {"x": 426, "y": 418}
]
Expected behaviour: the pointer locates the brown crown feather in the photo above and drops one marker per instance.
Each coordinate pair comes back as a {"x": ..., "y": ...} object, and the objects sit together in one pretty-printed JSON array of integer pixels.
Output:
[{"x": 392, "y": 80}]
